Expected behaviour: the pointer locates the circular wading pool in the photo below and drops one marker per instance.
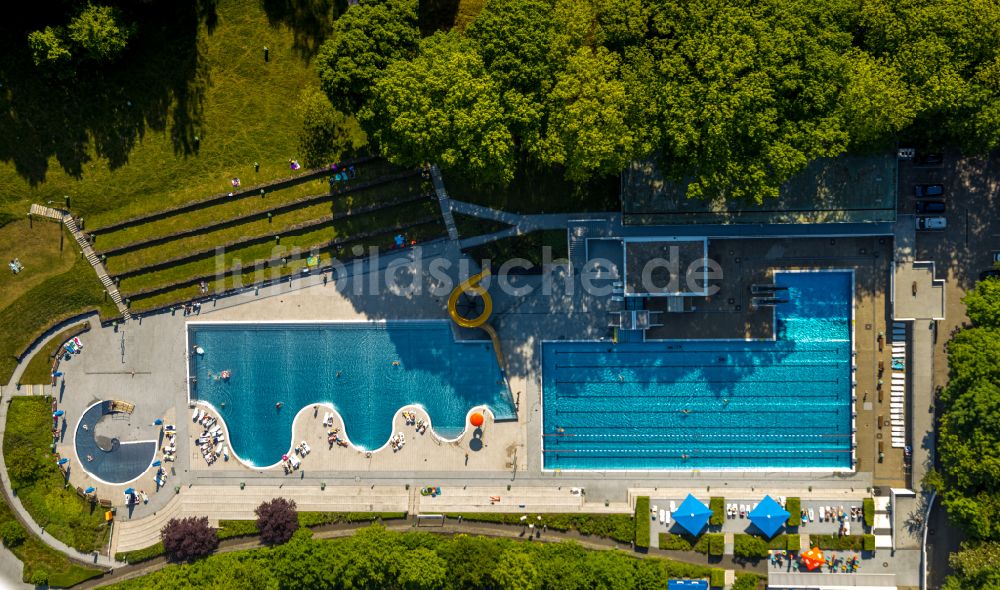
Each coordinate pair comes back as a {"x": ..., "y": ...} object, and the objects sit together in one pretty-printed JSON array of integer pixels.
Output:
[{"x": 107, "y": 458}]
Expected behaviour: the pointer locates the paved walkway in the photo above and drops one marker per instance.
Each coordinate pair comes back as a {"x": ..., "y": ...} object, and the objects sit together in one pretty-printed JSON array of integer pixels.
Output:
[
  {"x": 12, "y": 500},
  {"x": 444, "y": 202}
]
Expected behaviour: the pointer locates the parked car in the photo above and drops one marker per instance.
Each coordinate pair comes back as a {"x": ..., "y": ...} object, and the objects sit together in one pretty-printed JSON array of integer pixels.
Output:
[
  {"x": 930, "y": 207},
  {"x": 928, "y": 159},
  {"x": 928, "y": 190},
  {"x": 993, "y": 272},
  {"x": 929, "y": 223}
]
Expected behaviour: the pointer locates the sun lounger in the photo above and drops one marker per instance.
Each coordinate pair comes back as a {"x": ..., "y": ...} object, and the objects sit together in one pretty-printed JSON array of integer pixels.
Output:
[
  {"x": 294, "y": 461},
  {"x": 663, "y": 516},
  {"x": 673, "y": 506},
  {"x": 668, "y": 517}
]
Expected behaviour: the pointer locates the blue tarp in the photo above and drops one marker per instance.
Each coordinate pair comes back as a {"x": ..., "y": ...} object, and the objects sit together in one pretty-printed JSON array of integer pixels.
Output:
[
  {"x": 692, "y": 515},
  {"x": 687, "y": 585},
  {"x": 768, "y": 516}
]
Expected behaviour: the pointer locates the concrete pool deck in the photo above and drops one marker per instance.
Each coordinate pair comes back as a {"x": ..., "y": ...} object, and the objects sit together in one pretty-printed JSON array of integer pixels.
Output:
[{"x": 144, "y": 362}]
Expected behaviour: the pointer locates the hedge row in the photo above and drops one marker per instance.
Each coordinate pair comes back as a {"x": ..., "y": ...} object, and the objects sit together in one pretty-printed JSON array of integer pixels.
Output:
[
  {"x": 253, "y": 266},
  {"x": 299, "y": 203},
  {"x": 749, "y": 546},
  {"x": 868, "y": 506},
  {"x": 253, "y": 191},
  {"x": 745, "y": 581},
  {"x": 838, "y": 542},
  {"x": 794, "y": 507},
  {"x": 230, "y": 529},
  {"x": 642, "y": 522},
  {"x": 141, "y": 554},
  {"x": 619, "y": 527},
  {"x": 718, "y": 579},
  {"x": 672, "y": 542},
  {"x": 868, "y": 542},
  {"x": 299, "y": 228},
  {"x": 718, "y": 506}
]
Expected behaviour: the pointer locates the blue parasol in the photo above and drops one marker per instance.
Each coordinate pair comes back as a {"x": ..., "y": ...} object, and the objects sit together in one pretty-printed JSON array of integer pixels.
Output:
[
  {"x": 129, "y": 491},
  {"x": 89, "y": 490},
  {"x": 57, "y": 413},
  {"x": 63, "y": 461},
  {"x": 157, "y": 422}
]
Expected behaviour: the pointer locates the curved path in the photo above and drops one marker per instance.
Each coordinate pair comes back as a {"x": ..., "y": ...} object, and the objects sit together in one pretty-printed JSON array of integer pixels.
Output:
[
  {"x": 451, "y": 527},
  {"x": 22, "y": 514}
]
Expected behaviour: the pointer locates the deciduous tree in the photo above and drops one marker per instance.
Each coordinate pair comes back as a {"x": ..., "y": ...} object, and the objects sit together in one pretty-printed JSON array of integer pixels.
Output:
[
  {"x": 277, "y": 521},
  {"x": 188, "y": 538}
]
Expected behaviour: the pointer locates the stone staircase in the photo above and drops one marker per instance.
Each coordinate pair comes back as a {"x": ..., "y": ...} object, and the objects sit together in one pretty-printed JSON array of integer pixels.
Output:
[{"x": 95, "y": 261}]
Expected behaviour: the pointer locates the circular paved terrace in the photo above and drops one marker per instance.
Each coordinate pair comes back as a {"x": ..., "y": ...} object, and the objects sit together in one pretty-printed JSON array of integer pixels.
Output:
[{"x": 102, "y": 454}]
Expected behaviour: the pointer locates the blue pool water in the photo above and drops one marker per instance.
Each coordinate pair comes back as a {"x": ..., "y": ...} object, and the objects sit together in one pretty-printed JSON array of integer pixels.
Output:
[
  {"x": 749, "y": 405},
  {"x": 298, "y": 364}
]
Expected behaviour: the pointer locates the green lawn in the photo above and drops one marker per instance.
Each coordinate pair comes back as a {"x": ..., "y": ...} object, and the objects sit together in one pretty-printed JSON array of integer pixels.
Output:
[
  {"x": 40, "y": 560},
  {"x": 469, "y": 226},
  {"x": 338, "y": 205},
  {"x": 530, "y": 246},
  {"x": 420, "y": 233},
  {"x": 48, "y": 303},
  {"x": 39, "y": 483},
  {"x": 39, "y": 369},
  {"x": 241, "y": 108},
  {"x": 247, "y": 255}
]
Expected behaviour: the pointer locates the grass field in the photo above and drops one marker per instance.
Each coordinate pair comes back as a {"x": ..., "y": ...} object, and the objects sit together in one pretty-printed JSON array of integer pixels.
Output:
[
  {"x": 39, "y": 370},
  {"x": 36, "y": 245},
  {"x": 39, "y": 483},
  {"x": 241, "y": 108}
]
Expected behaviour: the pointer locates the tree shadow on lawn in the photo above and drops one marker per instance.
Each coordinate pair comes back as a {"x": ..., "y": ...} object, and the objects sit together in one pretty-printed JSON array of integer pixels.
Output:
[
  {"x": 309, "y": 20},
  {"x": 160, "y": 81}
]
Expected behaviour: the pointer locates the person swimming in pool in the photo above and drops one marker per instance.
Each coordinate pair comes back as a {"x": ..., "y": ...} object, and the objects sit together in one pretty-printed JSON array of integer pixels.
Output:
[
  {"x": 278, "y": 405},
  {"x": 395, "y": 363},
  {"x": 685, "y": 411}
]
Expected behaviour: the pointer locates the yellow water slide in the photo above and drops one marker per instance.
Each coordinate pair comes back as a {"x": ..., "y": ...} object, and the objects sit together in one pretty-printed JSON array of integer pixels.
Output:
[{"x": 472, "y": 285}]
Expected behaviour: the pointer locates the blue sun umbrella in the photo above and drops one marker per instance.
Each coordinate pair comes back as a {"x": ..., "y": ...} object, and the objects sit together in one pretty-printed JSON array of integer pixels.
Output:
[
  {"x": 130, "y": 491},
  {"x": 57, "y": 413},
  {"x": 768, "y": 516},
  {"x": 63, "y": 461},
  {"x": 157, "y": 422},
  {"x": 692, "y": 515},
  {"x": 89, "y": 490},
  {"x": 156, "y": 463}
]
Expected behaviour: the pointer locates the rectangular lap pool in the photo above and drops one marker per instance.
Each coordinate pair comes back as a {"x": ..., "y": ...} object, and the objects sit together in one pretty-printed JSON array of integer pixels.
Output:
[
  {"x": 711, "y": 404},
  {"x": 367, "y": 371}
]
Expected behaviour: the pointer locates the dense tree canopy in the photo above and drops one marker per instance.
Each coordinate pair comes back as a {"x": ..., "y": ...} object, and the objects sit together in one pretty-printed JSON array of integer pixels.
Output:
[
  {"x": 732, "y": 97},
  {"x": 364, "y": 41},
  {"x": 442, "y": 106},
  {"x": 969, "y": 440},
  {"x": 98, "y": 33},
  {"x": 377, "y": 559}
]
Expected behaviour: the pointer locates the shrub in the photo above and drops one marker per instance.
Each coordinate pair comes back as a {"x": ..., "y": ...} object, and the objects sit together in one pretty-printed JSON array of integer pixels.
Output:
[
  {"x": 745, "y": 582},
  {"x": 311, "y": 519},
  {"x": 868, "y": 506},
  {"x": 749, "y": 546},
  {"x": 189, "y": 538},
  {"x": 718, "y": 506},
  {"x": 778, "y": 542},
  {"x": 642, "y": 522},
  {"x": 620, "y": 527},
  {"x": 868, "y": 542},
  {"x": 716, "y": 544},
  {"x": 672, "y": 542},
  {"x": 277, "y": 521},
  {"x": 40, "y": 577},
  {"x": 794, "y": 508},
  {"x": 229, "y": 529},
  {"x": 12, "y": 534},
  {"x": 140, "y": 555},
  {"x": 793, "y": 542},
  {"x": 839, "y": 543},
  {"x": 718, "y": 579}
]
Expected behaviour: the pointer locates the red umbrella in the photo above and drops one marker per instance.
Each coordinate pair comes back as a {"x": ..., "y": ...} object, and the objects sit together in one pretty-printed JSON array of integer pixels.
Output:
[{"x": 476, "y": 419}]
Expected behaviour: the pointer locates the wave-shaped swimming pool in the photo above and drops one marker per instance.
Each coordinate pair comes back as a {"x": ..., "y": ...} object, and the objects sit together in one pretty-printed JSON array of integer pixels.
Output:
[{"x": 367, "y": 371}]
